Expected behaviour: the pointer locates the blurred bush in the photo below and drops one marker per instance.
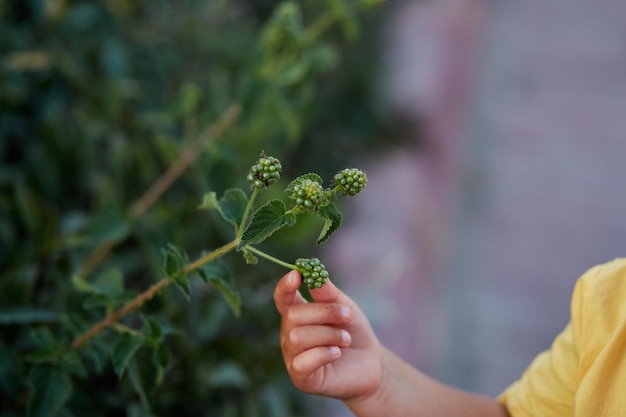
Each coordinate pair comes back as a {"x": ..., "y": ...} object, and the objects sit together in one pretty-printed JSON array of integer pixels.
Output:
[{"x": 102, "y": 101}]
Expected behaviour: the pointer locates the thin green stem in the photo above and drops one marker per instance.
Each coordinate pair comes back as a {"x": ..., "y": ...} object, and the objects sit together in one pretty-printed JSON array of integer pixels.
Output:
[
  {"x": 246, "y": 212},
  {"x": 269, "y": 257}
]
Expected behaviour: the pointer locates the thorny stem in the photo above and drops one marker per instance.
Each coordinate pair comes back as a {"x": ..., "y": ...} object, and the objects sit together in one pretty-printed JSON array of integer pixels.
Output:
[
  {"x": 148, "y": 294},
  {"x": 142, "y": 204}
]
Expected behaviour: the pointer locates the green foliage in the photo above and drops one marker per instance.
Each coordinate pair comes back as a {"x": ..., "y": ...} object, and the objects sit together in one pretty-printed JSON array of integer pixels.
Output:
[{"x": 114, "y": 117}]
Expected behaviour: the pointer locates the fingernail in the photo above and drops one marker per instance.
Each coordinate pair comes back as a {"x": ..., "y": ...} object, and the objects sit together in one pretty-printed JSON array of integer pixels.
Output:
[
  {"x": 345, "y": 337},
  {"x": 344, "y": 312},
  {"x": 334, "y": 351}
]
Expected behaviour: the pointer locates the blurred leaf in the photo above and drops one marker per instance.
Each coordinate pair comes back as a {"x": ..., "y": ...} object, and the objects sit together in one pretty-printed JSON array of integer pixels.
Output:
[
  {"x": 332, "y": 217},
  {"x": 125, "y": 348},
  {"x": 231, "y": 205},
  {"x": 219, "y": 275},
  {"x": 161, "y": 357},
  {"x": 52, "y": 388},
  {"x": 71, "y": 362},
  {"x": 229, "y": 374},
  {"x": 27, "y": 315},
  {"x": 137, "y": 382},
  {"x": 109, "y": 283},
  {"x": 266, "y": 220}
]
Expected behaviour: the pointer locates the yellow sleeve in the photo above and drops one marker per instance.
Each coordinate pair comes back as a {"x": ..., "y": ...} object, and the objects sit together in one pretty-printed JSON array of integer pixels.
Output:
[{"x": 548, "y": 386}]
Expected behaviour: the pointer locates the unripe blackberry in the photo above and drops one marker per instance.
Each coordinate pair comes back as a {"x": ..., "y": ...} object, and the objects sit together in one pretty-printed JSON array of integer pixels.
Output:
[
  {"x": 350, "y": 181},
  {"x": 265, "y": 172},
  {"x": 308, "y": 195},
  {"x": 314, "y": 273}
]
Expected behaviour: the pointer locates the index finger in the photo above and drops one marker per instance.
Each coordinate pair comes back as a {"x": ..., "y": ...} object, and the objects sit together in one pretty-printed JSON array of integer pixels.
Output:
[{"x": 286, "y": 292}]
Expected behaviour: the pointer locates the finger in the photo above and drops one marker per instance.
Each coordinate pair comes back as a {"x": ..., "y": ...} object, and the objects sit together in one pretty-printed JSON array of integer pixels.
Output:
[
  {"x": 305, "y": 364},
  {"x": 302, "y": 338},
  {"x": 286, "y": 291},
  {"x": 329, "y": 293},
  {"x": 316, "y": 313}
]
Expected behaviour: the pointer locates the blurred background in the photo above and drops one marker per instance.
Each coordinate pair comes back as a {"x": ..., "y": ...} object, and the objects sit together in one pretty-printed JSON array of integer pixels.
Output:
[
  {"x": 491, "y": 133},
  {"x": 512, "y": 189}
]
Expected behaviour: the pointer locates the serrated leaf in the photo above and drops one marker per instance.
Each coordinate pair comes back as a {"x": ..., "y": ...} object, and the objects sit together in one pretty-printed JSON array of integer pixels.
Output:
[
  {"x": 125, "y": 348},
  {"x": 265, "y": 221},
  {"x": 232, "y": 205},
  {"x": 310, "y": 176},
  {"x": 172, "y": 260},
  {"x": 332, "y": 217},
  {"x": 52, "y": 388},
  {"x": 218, "y": 275}
]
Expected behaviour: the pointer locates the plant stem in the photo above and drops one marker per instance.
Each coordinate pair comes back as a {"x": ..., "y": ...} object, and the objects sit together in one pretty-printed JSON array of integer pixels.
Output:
[
  {"x": 246, "y": 212},
  {"x": 269, "y": 257},
  {"x": 148, "y": 294}
]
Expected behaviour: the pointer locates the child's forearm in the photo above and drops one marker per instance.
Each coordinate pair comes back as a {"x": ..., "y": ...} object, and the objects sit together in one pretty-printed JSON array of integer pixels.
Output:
[{"x": 405, "y": 391}]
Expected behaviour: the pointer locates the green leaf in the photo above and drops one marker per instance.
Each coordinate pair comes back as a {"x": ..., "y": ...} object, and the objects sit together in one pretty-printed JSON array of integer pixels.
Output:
[
  {"x": 153, "y": 328},
  {"x": 218, "y": 275},
  {"x": 137, "y": 383},
  {"x": 265, "y": 221},
  {"x": 160, "y": 359},
  {"x": 52, "y": 388},
  {"x": 27, "y": 315},
  {"x": 231, "y": 205},
  {"x": 80, "y": 284},
  {"x": 110, "y": 283},
  {"x": 182, "y": 282},
  {"x": 98, "y": 300},
  {"x": 332, "y": 222},
  {"x": 209, "y": 201},
  {"x": 73, "y": 363},
  {"x": 174, "y": 259},
  {"x": 125, "y": 348}
]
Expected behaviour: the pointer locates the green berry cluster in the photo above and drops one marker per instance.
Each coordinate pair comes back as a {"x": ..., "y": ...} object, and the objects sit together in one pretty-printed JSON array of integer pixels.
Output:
[
  {"x": 308, "y": 195},
  {"x": 350, "y": 181},
  {"x": 314, "y": 273},
  {"x": 265, "y": 172}
]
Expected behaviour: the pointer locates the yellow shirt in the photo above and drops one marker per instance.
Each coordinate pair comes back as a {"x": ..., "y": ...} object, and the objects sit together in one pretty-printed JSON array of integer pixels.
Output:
[{"x": 583, "y": 374}]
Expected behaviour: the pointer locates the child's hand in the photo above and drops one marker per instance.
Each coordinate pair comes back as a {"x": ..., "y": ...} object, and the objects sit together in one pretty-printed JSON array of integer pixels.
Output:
[{"x": 328, "y": 346}]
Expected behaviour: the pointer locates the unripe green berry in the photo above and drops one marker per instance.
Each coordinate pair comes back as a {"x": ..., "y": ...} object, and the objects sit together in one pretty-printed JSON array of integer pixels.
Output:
[
  {"x": 308, "y": 195},
  {"x": 350, "y": 181},
  {"x": 314, "y": 273},
  {"x": 265, "y": 172}
]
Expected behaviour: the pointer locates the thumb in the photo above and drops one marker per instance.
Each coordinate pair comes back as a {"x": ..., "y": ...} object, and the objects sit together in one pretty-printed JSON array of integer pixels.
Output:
[
  {"x": 286, "y": 291},
  {"x": 329, "y": 293}
]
